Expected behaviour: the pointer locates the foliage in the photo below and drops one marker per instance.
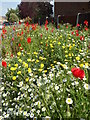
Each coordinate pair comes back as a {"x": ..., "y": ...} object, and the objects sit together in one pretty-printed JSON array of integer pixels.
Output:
[
  {"x": 13, "y": 18},
  {"x": 38, "y": 80},
  {"x": 35, "y": 10},
  {"x": 15, "y": 11},
  {"x": 28, "y": 20}
]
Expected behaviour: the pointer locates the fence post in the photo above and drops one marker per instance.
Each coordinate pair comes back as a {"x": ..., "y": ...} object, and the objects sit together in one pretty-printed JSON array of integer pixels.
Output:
[
  {"x": 58, "y": 20},
  {"x": 77, "y": 18}
]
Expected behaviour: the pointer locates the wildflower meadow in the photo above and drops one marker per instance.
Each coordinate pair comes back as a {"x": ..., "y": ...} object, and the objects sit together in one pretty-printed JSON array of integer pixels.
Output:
[{"x": 45, "y": 71}]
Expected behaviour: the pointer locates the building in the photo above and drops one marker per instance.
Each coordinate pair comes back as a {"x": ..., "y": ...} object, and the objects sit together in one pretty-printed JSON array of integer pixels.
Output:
[
  {"x": 2, "y": 19},
  {"x": 68, "y": 11}
]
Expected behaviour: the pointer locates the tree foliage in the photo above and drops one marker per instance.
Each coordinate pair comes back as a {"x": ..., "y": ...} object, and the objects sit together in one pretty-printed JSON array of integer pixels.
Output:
[
  {"x": 15, "y": 11},
  {"x": 35, "y": 9},
  {"x": 13, "y": 18}
]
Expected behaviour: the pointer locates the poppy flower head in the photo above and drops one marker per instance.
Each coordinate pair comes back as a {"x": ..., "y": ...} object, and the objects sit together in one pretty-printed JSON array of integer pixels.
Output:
[
  {"x": 4, "y": 64},
  {"x": 29, "y": 40},
  {"x": 78, "y": 73},
  {"x": 78, "y": 25},
  {"x": 81, "y": 37},
  {"x": 86, "y": 22},
  {"x": 19, "y": 22}
]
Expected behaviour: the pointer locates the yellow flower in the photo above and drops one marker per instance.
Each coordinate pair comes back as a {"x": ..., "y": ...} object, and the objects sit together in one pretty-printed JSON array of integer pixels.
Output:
[
  {"x": 78, "y": 58},
  {"x": 35, "y": 53},
  {"x": 52, "y": 50},
  {"x": 72, "y": 54},
  {"x": 86, "y": 65},
  {"x": 70, "y": 47},
  {"x": 55, "y": 61},
  {"x": 69, "y": 55},
  {"x": 73, "y": 45},
  {"x": 19, "y": 53},
  {"x": 63, "y": 47},
  {"x": 45, "y": 71},
  {"x": 51, "y": 64},
  {"x": 40, "y": 70},
  {"x": 51, "y": 45},
  {"x": 66, "y": 56},
  {"x": 59, "y": 43},
  {"x": 13, "y": 68},
  {"x": 27, "y": 79},
  {"x": 81, "y": 65},
  {"x": 54, "y": 41},
  {"x": 60, "y": 36},
  {"x": 33, "y": 60},
  {"x": 66, "y": 51},
  {"x": 74, "y": 41},
  {"x": 20, "y": 60},
  {"x": 44, "y": 58},
  {"x": 28, "y": 53},
  {"x": 42, "y": 65},
  {"x": 41, "y": 58},
  {"x": 9, "y": 65},
  {"x": 26, "y": 65},
  {"x": 29, "y": 60},
  {"x": 14, "y": 78},
  {"x": 19, "y": 72},
  {"x": 16, "y": 65},
  {"x": 29, "y": 70},
  {"x": 37, "y": 61}
]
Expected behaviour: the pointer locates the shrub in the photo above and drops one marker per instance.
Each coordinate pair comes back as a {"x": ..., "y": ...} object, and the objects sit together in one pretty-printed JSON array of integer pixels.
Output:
[{"x": 13, "y": 18}]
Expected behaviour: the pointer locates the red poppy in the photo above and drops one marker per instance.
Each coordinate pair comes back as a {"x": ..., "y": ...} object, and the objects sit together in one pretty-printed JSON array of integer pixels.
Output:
[
  {"x": 12, "y": 38},
  {"x": 77, "y": 34},
  {"x": 4, "y": 64},
  {"x": 78, "y": 73},
  {"x": 11, "y": 55},
  {"x": 81, "y": 37},
  {"x": 86, "y": 22},
  {"x": 19, "y": 45},
  {"x": 72, "y": 33},
  {"x": 29, "y": 40},
  {"x": 46, "y": 44},
  {"x": 76, "y": 31},
  {"x": 46, "y": 22},
  {"x": 41, "y": 35},
  {"x": 46, "y": 28},
  {"x": 21, "y": 48},
  {"x": 78, "y": 25},
  {"x": 22, "y": 33},
  {"x": 67, "y": 26},
  {"x": 14, "y": 28},
  {"x": 4, "y": 31},
  {"x": 86, "y": 28},
  {"x": 19, "y": 22}
]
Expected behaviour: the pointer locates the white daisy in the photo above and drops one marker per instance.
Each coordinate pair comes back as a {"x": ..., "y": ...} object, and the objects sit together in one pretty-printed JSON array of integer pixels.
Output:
[
  {"x": 43, "y": 109},
  {"x": 86, "y": 86},
  {"x": 56, "y": 87},
  {"x": 69, "y": 101}
]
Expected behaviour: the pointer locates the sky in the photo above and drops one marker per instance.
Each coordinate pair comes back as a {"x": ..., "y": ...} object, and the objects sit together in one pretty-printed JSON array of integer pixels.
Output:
[{"x": 5, "y": 4}]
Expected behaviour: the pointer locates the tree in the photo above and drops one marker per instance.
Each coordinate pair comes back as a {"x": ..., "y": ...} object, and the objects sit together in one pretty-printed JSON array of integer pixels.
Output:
[
  {"x": 28, "y": 9},
  {"x": 45, "y": 9},
  {"x": 15, "y": 11},
  {"x": 13, "y": 18},
  {"x": 35, "y": 9}
]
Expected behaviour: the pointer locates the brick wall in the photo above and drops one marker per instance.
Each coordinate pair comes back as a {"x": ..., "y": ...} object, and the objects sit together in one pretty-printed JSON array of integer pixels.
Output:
[{"x": 69, "y": 10}]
